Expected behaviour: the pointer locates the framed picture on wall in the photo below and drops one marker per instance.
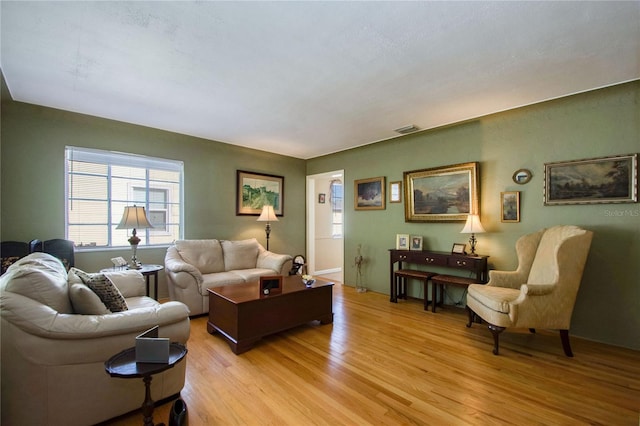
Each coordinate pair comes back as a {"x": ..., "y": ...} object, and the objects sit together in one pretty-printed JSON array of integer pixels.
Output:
[
  {"x": 592, "y": 181},
  {"x": 254, "y": 190},
  {"x": 395, "y": 192},
  {"x": 446, "y": 194},
  {"x": 369, "y": 194},
  {"x": 321, "y": 198},
  {"x": 510, "y": 206}
]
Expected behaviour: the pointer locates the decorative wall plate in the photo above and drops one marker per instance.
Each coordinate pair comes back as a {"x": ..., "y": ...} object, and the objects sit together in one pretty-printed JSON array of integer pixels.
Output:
[{"x": 521, "y": 176}]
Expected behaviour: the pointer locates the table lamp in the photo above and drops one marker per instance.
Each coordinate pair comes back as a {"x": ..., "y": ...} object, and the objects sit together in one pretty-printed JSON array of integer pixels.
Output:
[
  {"x": 134, "y": 217},
  {"x": 268, "y": 215},
  {"x": 473, "y": 227}
]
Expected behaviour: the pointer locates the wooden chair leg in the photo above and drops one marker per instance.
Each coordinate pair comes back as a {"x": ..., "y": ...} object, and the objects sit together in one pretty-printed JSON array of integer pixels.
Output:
[
  {"x": 472, "y": 316},
  {"x": 564, "y": 336},
  {"x": 495, "y": 331}
]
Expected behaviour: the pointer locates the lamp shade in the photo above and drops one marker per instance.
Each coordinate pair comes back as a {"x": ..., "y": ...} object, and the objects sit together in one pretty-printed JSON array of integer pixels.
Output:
[
  {"x": 268, "y": 215},
  {"x": 134, "y": 217},
  {"x": 473, "y": 225}
]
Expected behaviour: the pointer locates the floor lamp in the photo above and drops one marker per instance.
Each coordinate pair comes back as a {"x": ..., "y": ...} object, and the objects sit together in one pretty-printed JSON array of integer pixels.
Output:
[
  {"x": 268, "y": 215},
  {"x": 134, "y": 217}
]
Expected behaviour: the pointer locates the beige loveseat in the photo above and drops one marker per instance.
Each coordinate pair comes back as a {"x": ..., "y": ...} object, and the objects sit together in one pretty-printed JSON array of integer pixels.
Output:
[
  {"x": 193, "y": 266},
  {"x": 53, "y": 355}
]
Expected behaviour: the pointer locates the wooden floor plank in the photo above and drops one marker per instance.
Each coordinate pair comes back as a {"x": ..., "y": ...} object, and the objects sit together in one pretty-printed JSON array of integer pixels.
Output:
[{"x": 383, "y": 363}]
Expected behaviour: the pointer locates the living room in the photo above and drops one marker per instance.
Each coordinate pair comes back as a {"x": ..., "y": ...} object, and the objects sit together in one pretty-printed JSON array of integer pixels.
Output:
[{"x": 597, "y": 123}]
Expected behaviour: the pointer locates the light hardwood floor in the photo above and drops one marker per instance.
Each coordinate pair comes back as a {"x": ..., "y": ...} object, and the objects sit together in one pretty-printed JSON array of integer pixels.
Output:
[{"x": 382, "y": 363}]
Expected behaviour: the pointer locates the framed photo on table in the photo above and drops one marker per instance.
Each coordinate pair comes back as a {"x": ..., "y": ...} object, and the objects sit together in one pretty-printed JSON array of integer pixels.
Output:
[
  {"x": 270, "y": 284},
  {"x": 416, "y": 242},
  {"x": 459, "y": 248},
  {"x": 402, "y": 242},
  {"x": 254, "y": 190}
]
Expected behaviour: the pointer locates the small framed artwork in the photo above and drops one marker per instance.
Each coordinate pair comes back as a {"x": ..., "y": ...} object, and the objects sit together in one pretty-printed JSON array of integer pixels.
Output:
[
  {"x": 459, "y": 248},
  {"x": 395, "y": 192},
  {"x": 321, "y": 198},
  {"x": 270, "y": 284},
  {"x": 510, "y": 206},
  {"x": 402, "y": 242},
  {"x": 369, "y": 194},
  {"x": 416, "y": 242},
  {"x": 592, "y": 181},
  {"x": 254, "y": 190}
]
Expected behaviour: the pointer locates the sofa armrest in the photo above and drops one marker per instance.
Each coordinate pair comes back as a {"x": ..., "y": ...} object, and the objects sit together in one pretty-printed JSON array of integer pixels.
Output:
[
  {"x": 41, "y": 320},
  {"x": 274, "y": 261},
  {"x": 174, "y": 265}
]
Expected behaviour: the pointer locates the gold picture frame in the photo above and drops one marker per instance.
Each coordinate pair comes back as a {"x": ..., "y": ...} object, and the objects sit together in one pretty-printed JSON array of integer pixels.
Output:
[
  {"x": 442, "y": 194},
  {"x": 510, "y": 206},
  {"x": 369, "y": 194}
]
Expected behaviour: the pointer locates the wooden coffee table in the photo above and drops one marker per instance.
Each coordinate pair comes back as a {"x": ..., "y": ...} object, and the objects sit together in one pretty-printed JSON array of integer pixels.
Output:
[{"x": 243, "y": 316}]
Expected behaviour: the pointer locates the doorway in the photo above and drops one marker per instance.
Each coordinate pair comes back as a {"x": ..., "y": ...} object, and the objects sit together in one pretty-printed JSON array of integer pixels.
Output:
[{"x": 325, "y": 225}]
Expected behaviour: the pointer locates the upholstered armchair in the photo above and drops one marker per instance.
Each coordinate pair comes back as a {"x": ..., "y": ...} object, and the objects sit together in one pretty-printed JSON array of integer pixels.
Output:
[{"x": 541, "y": 292}]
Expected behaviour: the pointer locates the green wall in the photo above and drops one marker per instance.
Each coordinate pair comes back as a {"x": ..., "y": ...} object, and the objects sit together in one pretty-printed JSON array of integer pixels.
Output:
[
  {"x": 32, "y": 197},
  {"x": 599, "y": 123}
]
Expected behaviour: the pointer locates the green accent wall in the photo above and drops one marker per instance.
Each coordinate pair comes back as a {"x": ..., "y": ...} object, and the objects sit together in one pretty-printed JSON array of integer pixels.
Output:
[
  {"x": 32, "y": 197},
  {"x": 599, "y": 123},
  {"x": 594, "y": 124}
]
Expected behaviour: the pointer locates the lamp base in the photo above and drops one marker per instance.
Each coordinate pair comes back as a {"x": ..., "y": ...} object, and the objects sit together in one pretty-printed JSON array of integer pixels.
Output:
[{"x": 134, "y": 264}]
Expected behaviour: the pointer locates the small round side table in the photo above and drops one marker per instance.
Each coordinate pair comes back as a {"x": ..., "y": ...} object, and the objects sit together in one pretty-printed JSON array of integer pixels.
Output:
[{"x": 124, "y": 365}]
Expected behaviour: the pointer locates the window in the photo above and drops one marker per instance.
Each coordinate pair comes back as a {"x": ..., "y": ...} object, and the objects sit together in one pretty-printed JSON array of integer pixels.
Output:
[
  {"x": 99, "y": 184},
  {"x": 335, "y": 188}
]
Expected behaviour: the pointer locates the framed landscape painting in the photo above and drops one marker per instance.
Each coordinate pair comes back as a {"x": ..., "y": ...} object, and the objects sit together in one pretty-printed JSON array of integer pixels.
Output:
[
  {"x": 255, "y": 190},
  {"x": 592, "y": 181},
  {"x": 369, "y": 194},
  {"x": 444, "y": 194}
]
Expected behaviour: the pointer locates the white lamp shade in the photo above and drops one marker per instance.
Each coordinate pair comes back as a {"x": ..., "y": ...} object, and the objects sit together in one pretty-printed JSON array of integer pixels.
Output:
[
  {"x": 134, "y": 217},
  {"x": 268, "y": 215},
  {"x": 473, "y": 225}
]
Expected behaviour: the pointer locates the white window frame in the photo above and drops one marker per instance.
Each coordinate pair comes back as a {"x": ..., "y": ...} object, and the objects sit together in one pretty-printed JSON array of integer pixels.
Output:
[{"x": 112, "y": 158}]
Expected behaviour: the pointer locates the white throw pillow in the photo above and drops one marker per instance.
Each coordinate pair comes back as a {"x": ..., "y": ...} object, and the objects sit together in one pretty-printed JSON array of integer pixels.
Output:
[
  {"x": 85, "y": 301},
  {"x": 241, "y": 254}
]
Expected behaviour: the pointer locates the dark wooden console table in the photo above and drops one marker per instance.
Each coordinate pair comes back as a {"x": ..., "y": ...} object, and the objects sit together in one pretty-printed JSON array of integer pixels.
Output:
[{"x": 474, "y": 264}]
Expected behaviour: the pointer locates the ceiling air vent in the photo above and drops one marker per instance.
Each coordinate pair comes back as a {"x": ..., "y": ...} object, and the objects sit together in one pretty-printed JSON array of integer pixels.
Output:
[{"x": 407, "y": 129}]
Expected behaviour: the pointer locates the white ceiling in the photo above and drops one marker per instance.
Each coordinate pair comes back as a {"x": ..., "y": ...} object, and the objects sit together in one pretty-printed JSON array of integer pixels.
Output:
[{"x": 310, "y": 78}]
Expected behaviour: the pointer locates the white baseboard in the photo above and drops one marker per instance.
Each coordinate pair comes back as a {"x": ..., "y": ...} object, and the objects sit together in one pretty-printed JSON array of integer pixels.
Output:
[{"x": 328, "y": 271}]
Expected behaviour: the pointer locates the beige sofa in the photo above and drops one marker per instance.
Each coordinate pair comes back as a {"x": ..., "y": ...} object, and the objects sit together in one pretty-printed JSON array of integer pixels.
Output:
[
  {"x": 53, "y": 356},
  {"x": 193, "y": 266}
]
